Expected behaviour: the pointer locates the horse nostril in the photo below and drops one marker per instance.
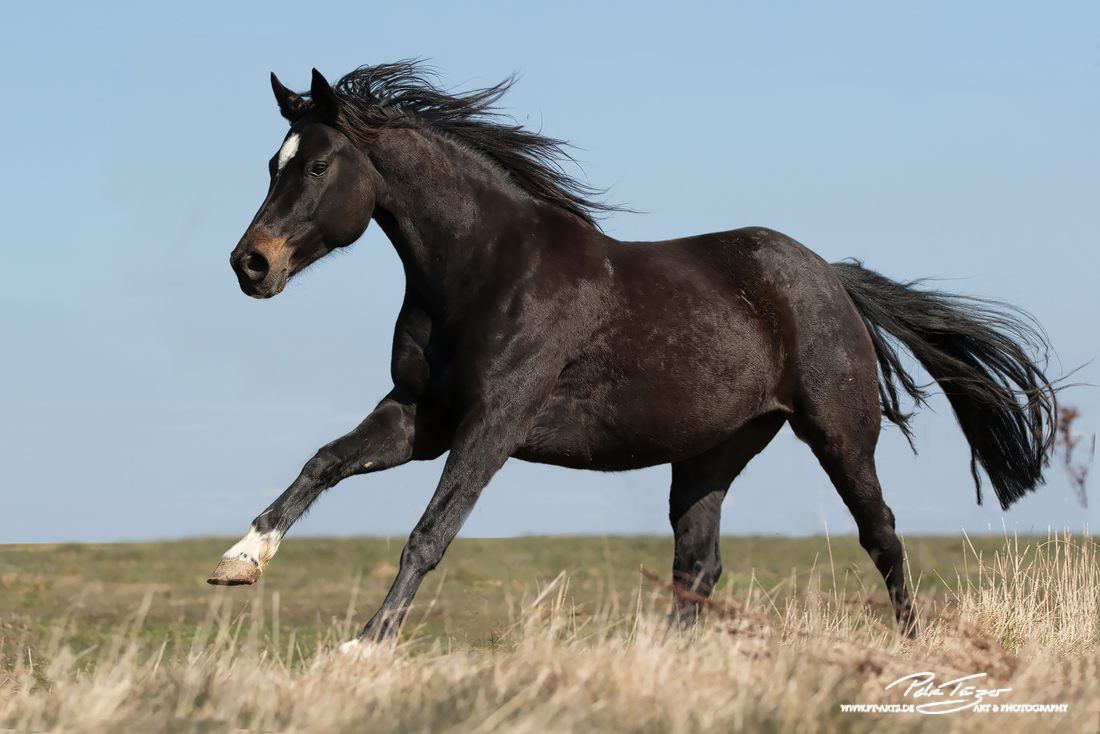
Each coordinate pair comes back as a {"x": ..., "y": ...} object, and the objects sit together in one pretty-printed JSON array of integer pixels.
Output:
[{"x": 255, "y": 265}]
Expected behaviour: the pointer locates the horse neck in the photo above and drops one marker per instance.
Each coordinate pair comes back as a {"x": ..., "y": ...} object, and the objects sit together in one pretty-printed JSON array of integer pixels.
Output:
[{"x": 445, "y": 209}]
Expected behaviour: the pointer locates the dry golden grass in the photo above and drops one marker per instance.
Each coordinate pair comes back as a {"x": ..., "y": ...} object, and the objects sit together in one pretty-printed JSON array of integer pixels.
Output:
[{"x": 1031, "y": 623}]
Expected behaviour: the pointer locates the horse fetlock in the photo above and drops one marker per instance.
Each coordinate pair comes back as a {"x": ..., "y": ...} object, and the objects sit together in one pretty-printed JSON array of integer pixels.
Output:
[
  {"x": 908, "y": 624},
  {"x": 244, "y": 562},
  {"x": 683, "y": 620}
]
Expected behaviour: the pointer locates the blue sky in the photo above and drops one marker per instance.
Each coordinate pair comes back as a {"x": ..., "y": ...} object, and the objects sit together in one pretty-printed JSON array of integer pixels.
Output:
[{"x": 143, "y": 396}]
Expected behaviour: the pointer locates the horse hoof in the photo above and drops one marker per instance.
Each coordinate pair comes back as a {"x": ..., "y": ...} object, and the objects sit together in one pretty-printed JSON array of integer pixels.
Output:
[
  {"x": 356, "y": 649},
  {"x": 234, "y": 572}
]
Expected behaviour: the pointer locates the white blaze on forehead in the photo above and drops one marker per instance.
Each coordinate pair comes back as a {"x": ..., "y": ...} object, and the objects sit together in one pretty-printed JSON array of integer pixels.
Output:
[
  {"x": 256, "y": 547},
  {"x": 290, "y": 147}
]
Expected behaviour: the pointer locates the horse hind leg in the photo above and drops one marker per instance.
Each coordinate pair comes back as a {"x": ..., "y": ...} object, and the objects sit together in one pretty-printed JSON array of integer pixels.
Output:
[
  {"x": 699, "y": 485},
  {"x": 845, "y": 446}
]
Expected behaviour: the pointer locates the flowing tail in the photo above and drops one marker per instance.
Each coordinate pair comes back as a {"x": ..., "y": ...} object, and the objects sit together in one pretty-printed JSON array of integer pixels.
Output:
[{"x": 977, "y": 351}]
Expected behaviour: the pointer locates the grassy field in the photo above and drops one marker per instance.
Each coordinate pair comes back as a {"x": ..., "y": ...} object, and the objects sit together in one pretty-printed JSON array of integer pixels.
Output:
[
  {"x": 540, "y": 634},
  {"x": 475, "y": 589}
]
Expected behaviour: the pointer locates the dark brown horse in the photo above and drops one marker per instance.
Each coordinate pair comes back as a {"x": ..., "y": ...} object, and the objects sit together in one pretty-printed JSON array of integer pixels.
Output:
[{"x": 527, "y": 332}]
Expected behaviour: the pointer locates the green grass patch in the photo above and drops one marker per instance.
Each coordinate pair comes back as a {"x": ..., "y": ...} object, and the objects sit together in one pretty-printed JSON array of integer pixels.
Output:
[{"x": 94, "y": 590}]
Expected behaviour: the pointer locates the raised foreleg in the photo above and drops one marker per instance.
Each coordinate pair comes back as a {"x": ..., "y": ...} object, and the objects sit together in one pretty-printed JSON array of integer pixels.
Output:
[{"x": 384, "y": 439}]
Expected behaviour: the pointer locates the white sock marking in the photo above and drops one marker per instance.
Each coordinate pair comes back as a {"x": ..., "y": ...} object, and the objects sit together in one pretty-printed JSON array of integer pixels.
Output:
[
  {"x": 356, "y": 648},
  {"x": 256, "y": 547},
  {"x": 290, "y": 147}
]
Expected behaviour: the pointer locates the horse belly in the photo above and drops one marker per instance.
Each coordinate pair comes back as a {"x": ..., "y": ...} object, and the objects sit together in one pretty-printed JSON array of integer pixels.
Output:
[{"x": 630, "y": 422}]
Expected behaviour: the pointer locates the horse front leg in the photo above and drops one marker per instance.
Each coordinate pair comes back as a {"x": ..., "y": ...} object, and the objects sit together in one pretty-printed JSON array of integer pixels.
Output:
[
  {"x": 481, "y": 446},
  {"x": 384, "y": 439}
]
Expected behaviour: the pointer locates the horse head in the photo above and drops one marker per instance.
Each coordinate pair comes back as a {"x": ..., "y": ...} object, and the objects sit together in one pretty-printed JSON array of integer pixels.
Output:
[{"x": 321, "y": 195}]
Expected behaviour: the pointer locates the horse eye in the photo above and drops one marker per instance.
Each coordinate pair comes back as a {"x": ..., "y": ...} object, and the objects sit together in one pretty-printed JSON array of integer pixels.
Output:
[{"x": 318, "y": 168}]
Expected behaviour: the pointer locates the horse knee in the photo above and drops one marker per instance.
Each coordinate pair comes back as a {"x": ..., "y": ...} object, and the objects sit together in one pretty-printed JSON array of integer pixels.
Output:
[
  {"x": 421, "y": 553},
  {"x": 325, "y": 465},
  {"x": 337, "y": 461},
  {"x": 876, "y": 542}
]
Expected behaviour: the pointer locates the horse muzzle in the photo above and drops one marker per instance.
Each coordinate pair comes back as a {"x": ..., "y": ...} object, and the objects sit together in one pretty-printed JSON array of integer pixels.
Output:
[{"x": 262, "y": 266}]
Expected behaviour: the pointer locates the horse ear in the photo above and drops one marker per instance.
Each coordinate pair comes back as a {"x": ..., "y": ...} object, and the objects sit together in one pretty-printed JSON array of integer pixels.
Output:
[
  {"x": 291, "y": 105},
  {"x": 324, "y": 99}
]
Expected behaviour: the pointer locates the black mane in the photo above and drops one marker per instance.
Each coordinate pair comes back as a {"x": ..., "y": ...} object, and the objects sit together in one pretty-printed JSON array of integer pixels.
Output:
[{"x": 376, "y": 97}]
